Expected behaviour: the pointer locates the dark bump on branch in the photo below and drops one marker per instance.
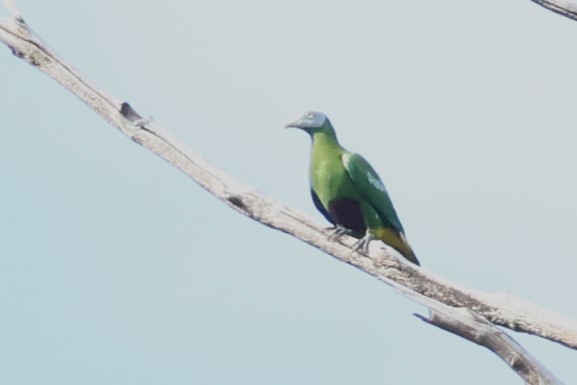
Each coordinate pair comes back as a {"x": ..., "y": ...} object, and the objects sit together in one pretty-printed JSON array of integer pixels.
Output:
[
  {"x": 137, "y": 140},
  {"x": 17, "y": 53},
  {"x": 129, "y": 113},
  {"x": 236, "y": 201},
  {"x": 519, "y": 365},
  {"x": 21, "y": 55}
]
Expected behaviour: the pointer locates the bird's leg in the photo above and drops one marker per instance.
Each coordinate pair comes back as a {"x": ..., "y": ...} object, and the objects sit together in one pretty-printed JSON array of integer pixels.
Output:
[
  {"x": 336, "y": 232},
  {"x": 362, "y": 245}
]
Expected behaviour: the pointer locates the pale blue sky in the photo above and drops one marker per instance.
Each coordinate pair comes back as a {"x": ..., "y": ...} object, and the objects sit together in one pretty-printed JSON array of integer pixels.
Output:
[{"x": 116, "y": 269}]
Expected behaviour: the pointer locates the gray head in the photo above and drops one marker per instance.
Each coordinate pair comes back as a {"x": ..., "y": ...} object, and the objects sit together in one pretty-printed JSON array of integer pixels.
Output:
[{"x": 313, "y": 122}]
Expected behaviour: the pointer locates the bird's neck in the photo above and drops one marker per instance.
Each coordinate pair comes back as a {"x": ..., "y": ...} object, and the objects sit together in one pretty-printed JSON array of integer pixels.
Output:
[
  {"x": 325, "y": 139},
  {"x": 324, "y": 143}
]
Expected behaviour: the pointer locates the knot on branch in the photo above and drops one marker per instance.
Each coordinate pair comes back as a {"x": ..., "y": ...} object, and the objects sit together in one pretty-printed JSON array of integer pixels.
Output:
[
  {"x": 129, "y": 113},
  {"x": 237, "y": 202}
]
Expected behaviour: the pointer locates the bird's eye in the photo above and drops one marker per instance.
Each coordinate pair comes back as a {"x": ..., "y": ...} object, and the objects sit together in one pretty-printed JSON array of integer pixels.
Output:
[{"x": 310, "y": 115}]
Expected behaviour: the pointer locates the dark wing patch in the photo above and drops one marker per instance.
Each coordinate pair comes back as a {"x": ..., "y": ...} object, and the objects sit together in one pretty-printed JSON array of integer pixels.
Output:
[{"x": 348, "y": 214}]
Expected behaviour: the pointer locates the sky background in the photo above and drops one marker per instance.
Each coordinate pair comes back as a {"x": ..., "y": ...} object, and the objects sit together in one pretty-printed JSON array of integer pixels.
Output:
[{"x": 116, "y": 269}]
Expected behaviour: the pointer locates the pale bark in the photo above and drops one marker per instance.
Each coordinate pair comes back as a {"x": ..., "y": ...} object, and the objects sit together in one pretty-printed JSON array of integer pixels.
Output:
[
  {"x": 562, "y": 7},
  {"x": 468, "y": 313}
]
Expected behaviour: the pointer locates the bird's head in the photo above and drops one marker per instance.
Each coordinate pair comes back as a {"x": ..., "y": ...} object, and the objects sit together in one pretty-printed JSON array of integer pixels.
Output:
[{"x": 313, "y": 122}]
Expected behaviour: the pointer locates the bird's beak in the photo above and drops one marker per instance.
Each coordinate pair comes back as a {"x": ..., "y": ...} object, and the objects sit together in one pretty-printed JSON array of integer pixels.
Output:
[
  {"x": 296, "y": 124},
  {"x": 290, "y": 125}
]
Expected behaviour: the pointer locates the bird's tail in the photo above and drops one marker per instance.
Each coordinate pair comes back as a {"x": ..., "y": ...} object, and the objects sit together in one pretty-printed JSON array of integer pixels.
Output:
[
  {"x": 410, "y": 256},
  {"x": 398, "y": 242}
]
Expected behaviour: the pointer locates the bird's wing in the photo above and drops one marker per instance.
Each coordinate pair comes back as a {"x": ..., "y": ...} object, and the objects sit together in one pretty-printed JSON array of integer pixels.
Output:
[
  {"x": 320, "y": 207},
  {"x": 371, "y": 188}
]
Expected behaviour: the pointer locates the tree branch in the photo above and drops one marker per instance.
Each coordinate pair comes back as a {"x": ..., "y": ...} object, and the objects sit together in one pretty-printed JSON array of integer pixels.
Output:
[
  {"x": 468, "y": 325},
  {"x": 499, "y": 308},
  {"x": 562, "y": 7},
  {"x": 436, "y": 293}
]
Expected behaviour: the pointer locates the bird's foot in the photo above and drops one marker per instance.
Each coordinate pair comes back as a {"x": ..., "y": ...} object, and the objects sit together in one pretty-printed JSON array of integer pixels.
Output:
[
  {"x": 362, "y": 245},
  {"x": 336, "y": 232}
]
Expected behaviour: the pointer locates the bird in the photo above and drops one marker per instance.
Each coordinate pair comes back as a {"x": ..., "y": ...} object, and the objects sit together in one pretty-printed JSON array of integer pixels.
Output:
[{"x": 348, "y": 191}]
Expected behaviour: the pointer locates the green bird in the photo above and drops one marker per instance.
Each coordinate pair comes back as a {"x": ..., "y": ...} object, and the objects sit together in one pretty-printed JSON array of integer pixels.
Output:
[{"x": 348, "y": 191}]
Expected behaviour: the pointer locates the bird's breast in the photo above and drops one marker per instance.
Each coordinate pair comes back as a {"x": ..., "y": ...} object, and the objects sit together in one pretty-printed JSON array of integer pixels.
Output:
[{"x": 330, "y": 180}]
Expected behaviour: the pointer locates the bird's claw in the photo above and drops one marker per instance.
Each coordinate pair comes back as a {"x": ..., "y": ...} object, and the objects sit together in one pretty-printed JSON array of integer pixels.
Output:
[
  {"x": 337, "y": 232},
  {"x": 362, "y": 245}
]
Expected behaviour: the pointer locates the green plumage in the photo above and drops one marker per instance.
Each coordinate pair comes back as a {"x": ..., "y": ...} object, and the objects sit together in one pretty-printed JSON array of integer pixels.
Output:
[{"x": 348, "y": 191}]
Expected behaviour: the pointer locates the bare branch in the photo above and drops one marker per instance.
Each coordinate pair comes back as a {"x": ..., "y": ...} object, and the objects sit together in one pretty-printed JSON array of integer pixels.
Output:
[
  {"x": 501, "y": 309},
  {"x": 562, "y": 7},
  {"x": 468, "y": 325}
]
